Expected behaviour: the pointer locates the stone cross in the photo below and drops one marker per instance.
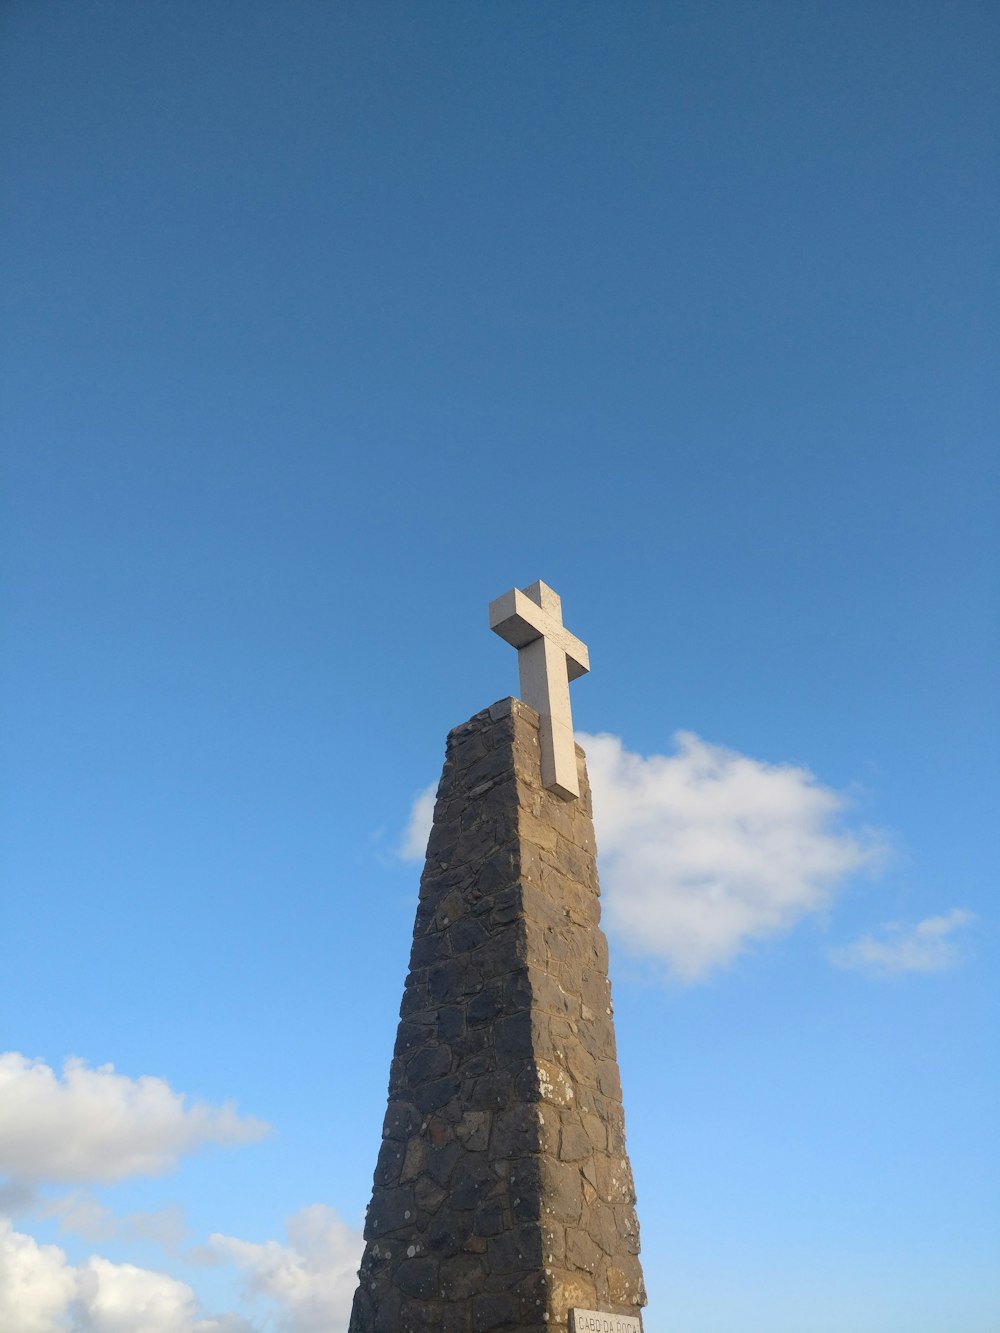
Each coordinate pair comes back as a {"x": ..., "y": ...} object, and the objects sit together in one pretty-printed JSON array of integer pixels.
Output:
[{"x": 548, "y": 658}]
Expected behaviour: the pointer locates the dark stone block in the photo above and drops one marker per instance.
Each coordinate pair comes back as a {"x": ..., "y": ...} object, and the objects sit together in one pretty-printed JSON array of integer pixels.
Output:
[
  {"x": 531, "y": 1294},
  {"x": 426, "y": 950},
  {"x": 411, "y": 1035},
  {"x": 401, "y": 1119},
  {"x": 513, "y": 1039},
  {"x": 441, "y": 844},
  {"x": 501, "y": 799},
  {"x": 504, "y": 952},
  {"x": 451, "y": 980},
  {"x": 429, "y": 1063},
  {"x": 515, "y": 1251},
  {"x": 451, "y": 1022},
  {"x": 495, "y": 764},
  {"x": 418, "y": 1277},
  {"x": 389, "y": 1210},
  {"x": 517, "y": 992},
  {"x": 432, "y": 1095},
  {"x": 456, "y": 1318},
  {"x": 390, "y": 1161},
  {"x": 387, "y": 1314},
  {"x": 526, "y": 1085},
  {"x": 526, "y": 1186},
  {"x": 428, "y": 1196},
  {"x": 441, "y": 1162},
  {"x": 465, "y": 749},
  {"x": 498, "y": 871},
  {"x": 362, "y": 1314},
  {"x": 462, "y": 1276},
  {"x": 515, "y": 1132},
  {"x": 502, "y": 826},
  {"x": 485, "y": 1006},
  {"x": 449, "y": 1231},
  {"x": 477, "y": 1039},
  {"x": 478, "y": 1065},
  {"x": 489, "y": 1218},
  {"x": 416, "y": 999},
  {"x": 473, "y": 1130},
  {"x": 494, "y": 1311},
  {"x": 471, "y": 1182},
  {"x": 507, "y": 906},
  {"x": 468, "y": 935},
  {"x": 491, "y": 1092}
]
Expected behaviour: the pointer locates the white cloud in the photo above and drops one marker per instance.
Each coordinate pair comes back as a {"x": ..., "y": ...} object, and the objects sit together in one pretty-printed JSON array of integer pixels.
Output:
[
  {"x": 704, "y": 851},
  {"x": 120, "y": 1298},
  {"x": 924, "y": 947},
  {"x": 96, "y": 1125},
  {"x": 311, "y": 1279},
  {"x": 418, "y": 829},
  {"x": 40, "y": 1292},
  {"x": 36, "y": 1284}
]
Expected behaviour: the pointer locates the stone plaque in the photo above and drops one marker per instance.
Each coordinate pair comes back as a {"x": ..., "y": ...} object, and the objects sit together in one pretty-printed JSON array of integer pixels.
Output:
[{"x": 594, "y": 1321}]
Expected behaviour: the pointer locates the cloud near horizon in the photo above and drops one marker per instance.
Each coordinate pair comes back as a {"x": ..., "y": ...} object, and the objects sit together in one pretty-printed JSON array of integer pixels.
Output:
[
  {"x": 706, "y": 851},
  {"x": 308, "y": 1283},
  {"x": 311, "y": 1279},
  {"x": 41, "y": 1292},
  {"x": 93, "y": 1125},
  {"x": 899, "y": 948}
]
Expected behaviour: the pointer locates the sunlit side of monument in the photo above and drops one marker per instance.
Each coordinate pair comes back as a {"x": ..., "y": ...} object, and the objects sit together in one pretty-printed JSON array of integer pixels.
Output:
[{"x": 503, "y": 1196}]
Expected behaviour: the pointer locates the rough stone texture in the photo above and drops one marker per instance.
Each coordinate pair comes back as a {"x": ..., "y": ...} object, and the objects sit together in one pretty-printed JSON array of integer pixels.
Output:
[{"x": 503, "y": 1195}]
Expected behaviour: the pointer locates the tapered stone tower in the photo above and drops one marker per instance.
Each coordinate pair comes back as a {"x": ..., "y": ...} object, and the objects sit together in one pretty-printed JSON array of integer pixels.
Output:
[{"x": 503, "y": 1196}]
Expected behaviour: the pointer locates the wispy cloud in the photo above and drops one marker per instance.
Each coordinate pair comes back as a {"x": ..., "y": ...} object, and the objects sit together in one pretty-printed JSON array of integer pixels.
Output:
[
  {"x": 899, "y": 947},
  {"x": 309, "y": 1281},
  {"x": 92, "y": 1124},
  {"x": 705, "y": 851},
  {"x": 418, "y": 827},
  {"x": 82, "y": 1214}
]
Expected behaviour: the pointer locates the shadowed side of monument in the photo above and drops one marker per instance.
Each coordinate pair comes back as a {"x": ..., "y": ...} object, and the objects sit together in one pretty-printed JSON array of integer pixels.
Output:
[{"x": 503, "y": 1195}]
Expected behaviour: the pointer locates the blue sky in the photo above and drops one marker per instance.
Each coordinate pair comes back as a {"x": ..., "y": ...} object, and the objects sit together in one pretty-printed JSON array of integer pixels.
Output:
[{"x": 322, "y": 326}]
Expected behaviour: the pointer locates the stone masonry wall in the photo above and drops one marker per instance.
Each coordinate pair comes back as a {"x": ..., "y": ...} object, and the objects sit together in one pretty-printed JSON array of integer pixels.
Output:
[{"x": 503, "y": 1195}]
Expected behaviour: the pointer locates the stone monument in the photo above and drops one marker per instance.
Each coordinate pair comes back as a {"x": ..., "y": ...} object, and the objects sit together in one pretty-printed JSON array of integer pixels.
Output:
[{"x": 503, "y": 1196}]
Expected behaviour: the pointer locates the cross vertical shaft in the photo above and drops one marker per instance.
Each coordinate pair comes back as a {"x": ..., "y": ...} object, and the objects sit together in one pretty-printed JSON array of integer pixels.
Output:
[{"x": 548, "y": 658}]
